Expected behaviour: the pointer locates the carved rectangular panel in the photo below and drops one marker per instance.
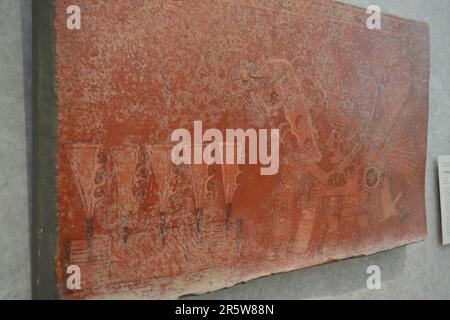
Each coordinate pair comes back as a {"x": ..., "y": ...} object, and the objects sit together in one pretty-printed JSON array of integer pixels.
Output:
[{"x": 351, "y": 106}]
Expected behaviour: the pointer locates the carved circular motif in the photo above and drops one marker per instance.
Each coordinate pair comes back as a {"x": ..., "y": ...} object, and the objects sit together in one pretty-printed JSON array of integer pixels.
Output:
[{"x": 372, "y": 178}]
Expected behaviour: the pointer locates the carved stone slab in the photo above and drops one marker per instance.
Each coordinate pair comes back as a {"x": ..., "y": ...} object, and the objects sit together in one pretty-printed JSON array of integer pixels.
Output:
[{"x": 351, "y": 105}]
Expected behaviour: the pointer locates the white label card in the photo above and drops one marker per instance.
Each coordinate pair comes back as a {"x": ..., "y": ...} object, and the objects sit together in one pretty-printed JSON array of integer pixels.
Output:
[{"x": 444, "y": 189}]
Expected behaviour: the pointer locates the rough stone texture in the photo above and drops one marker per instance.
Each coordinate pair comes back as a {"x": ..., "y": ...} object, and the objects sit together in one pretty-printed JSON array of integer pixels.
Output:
[
  {"x": 419, "y": 271},
  {"x": 351, "y": 106},
  {"x": 415, "y": 272}
]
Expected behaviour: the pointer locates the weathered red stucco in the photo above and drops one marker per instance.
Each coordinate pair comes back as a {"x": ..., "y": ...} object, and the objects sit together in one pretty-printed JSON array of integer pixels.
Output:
[{"x": 351, "y": 104}]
